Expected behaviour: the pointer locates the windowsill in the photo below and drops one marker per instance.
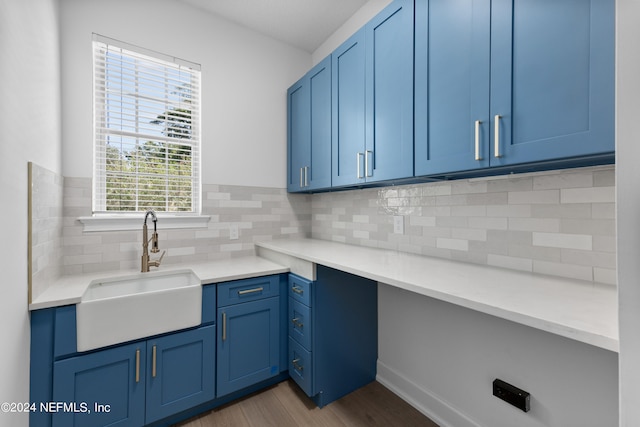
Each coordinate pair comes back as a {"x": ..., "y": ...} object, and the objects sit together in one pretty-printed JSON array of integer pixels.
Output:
[{"x": 125, "y": 222}]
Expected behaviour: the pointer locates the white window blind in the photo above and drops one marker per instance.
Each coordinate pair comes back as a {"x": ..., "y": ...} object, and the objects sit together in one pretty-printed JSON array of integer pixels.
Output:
[{"x": 147, "y": 130}]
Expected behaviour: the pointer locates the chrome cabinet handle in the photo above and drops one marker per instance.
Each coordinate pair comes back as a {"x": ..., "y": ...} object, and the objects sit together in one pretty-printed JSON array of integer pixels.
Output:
[
  {"x": 296, "y": 365},
  {"x": 496, "y": 135},
  {"x": 153, "y": 362},
  {"x": 298, "y": 290},
  {"x": 306, "y": 176},
  {"x": 477, "y": 139},
  {"x": 366, "y": 164},
  {"x": 301, "y": 180},
  {"x": 297, "y": 323},
  {"x": 138, "y": 366},
  {"x": 224, "y": 326},
  {"x": 250, "y": 291},
  {"x": 358, "y": 165}
]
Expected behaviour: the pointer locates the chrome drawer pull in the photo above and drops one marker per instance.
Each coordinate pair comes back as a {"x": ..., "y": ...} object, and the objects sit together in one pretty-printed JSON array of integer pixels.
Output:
[
  {"x": 250, "y": 291},
  {"x": 366, "y": 163},
  {"x": 298, "y": 290},
  {"x": 477, "y": 140},
  {"x": 224, "y": 326},
  {"x": 297, "y": 366},
  {"x": 138, "y": 365},
  {"x": 296, "y": 322},
  {"x": 497, "y": 135},
  {"x": 153, "y": 364}
]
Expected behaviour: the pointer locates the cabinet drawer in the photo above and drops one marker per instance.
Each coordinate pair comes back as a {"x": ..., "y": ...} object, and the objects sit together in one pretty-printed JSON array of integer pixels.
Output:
[
  {"x": 245, "y": 290},
  {"x": 300, "y": 366},
  {"x": 300, "y": 289},
  {"x": 300, "y": 323}
]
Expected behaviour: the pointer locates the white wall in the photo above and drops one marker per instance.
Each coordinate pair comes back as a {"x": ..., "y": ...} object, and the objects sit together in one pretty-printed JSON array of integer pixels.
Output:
[
  {"x": 30, "y": 123},
  {"x": 244, "y": 80},
  {"x": 353, "y": 24},
  {"x": 628, "y": 204},
  {"x": 443, "y": 359}
]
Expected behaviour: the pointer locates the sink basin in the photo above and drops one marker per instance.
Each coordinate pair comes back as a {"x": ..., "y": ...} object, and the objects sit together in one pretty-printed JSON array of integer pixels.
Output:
[{"x": 121, "y": 309}]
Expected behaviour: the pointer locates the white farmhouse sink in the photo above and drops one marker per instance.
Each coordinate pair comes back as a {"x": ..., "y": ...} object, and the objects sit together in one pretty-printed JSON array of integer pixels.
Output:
[{"x": 121, "y": 309}]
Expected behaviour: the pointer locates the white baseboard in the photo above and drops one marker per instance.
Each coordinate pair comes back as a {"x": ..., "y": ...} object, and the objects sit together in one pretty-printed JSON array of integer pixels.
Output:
[{"x": 422, "y": 399}]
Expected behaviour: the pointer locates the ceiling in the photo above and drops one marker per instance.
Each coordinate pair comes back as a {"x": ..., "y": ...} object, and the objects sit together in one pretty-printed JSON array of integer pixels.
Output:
[{"x": 301, "y": 23}]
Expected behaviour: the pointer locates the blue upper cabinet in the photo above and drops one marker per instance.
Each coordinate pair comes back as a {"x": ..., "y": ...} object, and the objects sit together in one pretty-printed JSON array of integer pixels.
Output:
[
  {"x": 452, "y": 54},
  {"x": 348, "y": 142},
  {"x": 319, "y": 172},
  {"x": 373, "y": 100},
  {"x": 309, "y": 130},
  {"x": 552, "y": 79},
  {"x": 504, "y": 82},
  {"x": 389, "y": 93},
  {"x": 298, "y": 150}
]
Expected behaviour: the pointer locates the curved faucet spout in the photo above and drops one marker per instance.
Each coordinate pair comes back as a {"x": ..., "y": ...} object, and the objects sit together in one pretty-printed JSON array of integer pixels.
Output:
[{"x": 153, "y": 216}]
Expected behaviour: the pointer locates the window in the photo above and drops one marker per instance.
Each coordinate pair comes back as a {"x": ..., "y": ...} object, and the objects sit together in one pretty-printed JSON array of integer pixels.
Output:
[{"x": 147, "y": 131}]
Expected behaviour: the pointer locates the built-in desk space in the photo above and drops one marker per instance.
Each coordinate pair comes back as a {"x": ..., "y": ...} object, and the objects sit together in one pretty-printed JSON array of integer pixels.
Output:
[{"x": 582, "y": 311}]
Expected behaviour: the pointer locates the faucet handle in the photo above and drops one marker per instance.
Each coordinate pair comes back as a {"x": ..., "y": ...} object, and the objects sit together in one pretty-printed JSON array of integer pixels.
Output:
[{"x": 157, "y": 262}]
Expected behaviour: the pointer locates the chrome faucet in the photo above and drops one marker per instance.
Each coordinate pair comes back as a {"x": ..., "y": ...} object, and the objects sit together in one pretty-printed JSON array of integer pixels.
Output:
[{"x": 146, "y": 263}]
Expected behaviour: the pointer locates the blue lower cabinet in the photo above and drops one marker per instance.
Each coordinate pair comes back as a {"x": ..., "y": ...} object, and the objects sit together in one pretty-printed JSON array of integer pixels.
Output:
[
  {"x": 248, "y": 344},
  {"x": 114, "y": 379},
  {"x": 136, "y": 384},
  {"x": 180, "y": 372},
  {"x": 333, "y": 338},
  {"x": 300, "y": 364}
]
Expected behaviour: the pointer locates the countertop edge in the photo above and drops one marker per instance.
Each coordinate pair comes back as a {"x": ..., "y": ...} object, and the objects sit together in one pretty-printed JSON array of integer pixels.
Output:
[
  {"x": 68, "y": 290},
  {"x": 553, "y": 323}
]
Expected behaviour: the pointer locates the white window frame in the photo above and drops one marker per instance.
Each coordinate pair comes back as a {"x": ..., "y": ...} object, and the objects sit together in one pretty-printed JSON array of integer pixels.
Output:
[{"x": 104, "y": 219}]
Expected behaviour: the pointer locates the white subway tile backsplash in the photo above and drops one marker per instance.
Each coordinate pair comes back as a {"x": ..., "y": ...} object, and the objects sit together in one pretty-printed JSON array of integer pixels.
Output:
[
  {"x": 490, "y": 220},
  {"x": 534, "y": 197},
  {"x": 488, "y": 223},
  {"x": 559, "y": 222},
  {"x": 172, "y": 252},
  {"x": 562, "y": 180},
  {"x": 560, "y": 240},
  {"x": 512, "y": 263},
  {"x": 605, "y": 275},
  {"x": 257, "y": 211},
  {"x": 563, "y": 270},
  {"x": 454, "y": 244},
  {"x": 422, "y": 221},
  {"x": 588, "y": 195},
  {"x": 535, "y": 224}
]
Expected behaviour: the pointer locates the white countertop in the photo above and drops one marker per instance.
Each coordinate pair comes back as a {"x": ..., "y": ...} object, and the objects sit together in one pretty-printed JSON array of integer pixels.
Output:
[
  {"x": 583, "y": 311},
  {"x": 69, "y": 289}
]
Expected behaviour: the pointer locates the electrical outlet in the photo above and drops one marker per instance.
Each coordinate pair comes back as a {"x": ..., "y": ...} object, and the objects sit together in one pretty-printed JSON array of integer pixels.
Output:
[
  {"x": 234, "y": 233},
  {"x": 398, "y": 224},
  {"x": 512, "y": 395}
]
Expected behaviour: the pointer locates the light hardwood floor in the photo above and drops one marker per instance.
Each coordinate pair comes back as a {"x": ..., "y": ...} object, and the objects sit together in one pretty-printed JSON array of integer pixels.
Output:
[{"x": 285, "y": 405}]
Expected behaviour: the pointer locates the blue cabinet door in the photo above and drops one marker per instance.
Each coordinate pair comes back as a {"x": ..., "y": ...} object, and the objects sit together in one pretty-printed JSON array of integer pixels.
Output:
[
  {"x": 113, "y": 378},
  {"x": 452, "y": 52},
  {"x": 348, "y": 98},
  {"x": 248, "y": 344},
  {"x": 309, "y": 130},
  {"x": 552, "y": 79},
  {"x": 298, "y": 134},
  {"x": 319, "y": 173},
  {"x": 180, "y": 372},
  {"x": 389, "y": 93}
]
